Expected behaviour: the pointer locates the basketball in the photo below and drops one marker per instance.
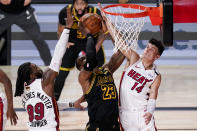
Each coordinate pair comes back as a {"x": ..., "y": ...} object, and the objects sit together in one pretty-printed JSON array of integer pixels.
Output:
[{"x": 92, "y": 22}]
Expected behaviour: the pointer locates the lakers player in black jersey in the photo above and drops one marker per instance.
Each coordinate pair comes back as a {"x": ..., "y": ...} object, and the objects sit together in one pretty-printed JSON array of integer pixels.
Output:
[
  {"x": 76, "y": 39},
  {"x": 99, "y": 88}
]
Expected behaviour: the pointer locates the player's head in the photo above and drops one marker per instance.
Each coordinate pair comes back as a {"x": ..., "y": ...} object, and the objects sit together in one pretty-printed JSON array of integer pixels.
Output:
[
  {"x": 81, "y": 60},
  {"x": 80, "y": 6},
  {"x": 153, "y": 50},
  {"x": 26, "y": 74}
]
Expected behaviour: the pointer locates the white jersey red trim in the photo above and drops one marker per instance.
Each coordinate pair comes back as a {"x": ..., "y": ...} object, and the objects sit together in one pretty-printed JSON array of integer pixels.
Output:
[
  {"x": 41, "y": 108},
  {"x": 135, "y": 86}
]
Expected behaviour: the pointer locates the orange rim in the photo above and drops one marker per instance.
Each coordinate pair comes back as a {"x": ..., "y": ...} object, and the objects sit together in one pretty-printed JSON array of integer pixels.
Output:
[
  {"x": 155, "y": 13},
  {"x": 128, "y": 15}
]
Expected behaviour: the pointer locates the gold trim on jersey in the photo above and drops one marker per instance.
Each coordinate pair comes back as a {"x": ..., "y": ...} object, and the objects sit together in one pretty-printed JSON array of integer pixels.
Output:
[
  {"x": 75, "y": 15},
  {"x": 95, "y": 9},
  {"x": 91, "y": 85},
  {"x": 87, "y": 127},
  {"x": 103, "y": 53},
  {"x": 70, "y": 5},
  {"x": 66, "y": 69},
  {"x": 90, "y": 10}
]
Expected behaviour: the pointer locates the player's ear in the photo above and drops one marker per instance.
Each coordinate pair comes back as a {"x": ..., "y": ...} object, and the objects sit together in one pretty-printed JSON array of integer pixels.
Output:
[{"x": 157, "y": 57}]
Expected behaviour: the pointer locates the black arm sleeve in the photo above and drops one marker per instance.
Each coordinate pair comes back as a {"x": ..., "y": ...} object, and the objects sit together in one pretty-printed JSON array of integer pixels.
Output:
[{"x": 91, "y": 61}]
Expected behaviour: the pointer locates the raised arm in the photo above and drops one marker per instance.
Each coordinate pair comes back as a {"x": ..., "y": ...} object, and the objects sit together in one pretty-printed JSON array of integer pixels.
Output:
[
  {"x": 86, "y": 73},
  {"x": 115, "y": 61},
  {"x": 60, "y": 49},
  {"x": 8, "y": 91},
  {"x": 63, "y": 15},
  {"x": 131, "y": 55}
]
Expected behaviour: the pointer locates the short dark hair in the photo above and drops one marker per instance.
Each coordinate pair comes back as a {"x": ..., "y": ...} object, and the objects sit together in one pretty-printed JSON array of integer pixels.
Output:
[
  {"x": 83, "y": 0},
  {"x": 158, "y": 44},
  {"x": 23, "y": 75}
]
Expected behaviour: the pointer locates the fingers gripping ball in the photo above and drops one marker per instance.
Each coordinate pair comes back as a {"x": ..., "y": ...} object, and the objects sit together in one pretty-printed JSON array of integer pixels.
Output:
[{"x": 92, "y": 22}]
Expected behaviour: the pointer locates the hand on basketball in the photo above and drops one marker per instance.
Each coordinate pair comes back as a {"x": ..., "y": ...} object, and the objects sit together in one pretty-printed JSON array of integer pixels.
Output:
[
  {"x": 83, "y": 29},
  {"x": 11, "y": 114},
  {"x": 5, "y": 2},
  {"x": 77, "y": 103},
  {"x": 69, "y": 19},
  {"x": 147, "y": 117}
]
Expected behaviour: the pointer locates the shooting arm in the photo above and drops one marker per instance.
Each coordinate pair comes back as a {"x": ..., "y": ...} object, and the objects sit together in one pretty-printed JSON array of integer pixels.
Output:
[
  {"x": 115, "y": 61},
  {"x": 131, "y": 55}
]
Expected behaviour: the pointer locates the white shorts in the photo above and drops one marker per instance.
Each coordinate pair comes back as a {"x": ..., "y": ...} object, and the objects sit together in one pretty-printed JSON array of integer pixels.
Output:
[
  {"x": 3, "y": 111},
  {"x": 134, "y": 121},
  {"x": 43, "y": 129}
]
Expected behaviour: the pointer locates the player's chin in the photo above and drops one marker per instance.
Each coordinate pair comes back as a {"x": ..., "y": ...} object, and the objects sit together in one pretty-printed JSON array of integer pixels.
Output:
[{"x": 80, "y": 12}]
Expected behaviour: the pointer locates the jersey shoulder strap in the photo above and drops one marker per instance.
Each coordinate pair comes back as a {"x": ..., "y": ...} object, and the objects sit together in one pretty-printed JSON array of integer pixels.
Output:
[
  {"x": 92, "y": 9},
  {"x": 69, "y": 6}
]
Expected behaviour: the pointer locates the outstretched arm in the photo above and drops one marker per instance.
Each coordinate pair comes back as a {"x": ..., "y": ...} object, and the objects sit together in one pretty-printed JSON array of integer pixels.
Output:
[
  {"x": 77, "y": 104},
  {"x": 131, "y": 55},
  {"x": 8, "y": 91},
  {"x": 91, "y": 63},
  {"x": 60, "y": 49},
  {"x": 115, "y": 61}
]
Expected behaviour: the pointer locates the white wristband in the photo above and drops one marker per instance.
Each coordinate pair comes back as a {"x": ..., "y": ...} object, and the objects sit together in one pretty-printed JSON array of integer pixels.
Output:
[
  {"x": 151, "y": 106},
  {"x": 60, "y": 49},
  {"x": 63, "y": 105}
]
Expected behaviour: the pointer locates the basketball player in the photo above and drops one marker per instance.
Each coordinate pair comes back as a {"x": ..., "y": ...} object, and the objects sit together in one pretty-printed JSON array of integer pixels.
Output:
[
  {"x": 99, "y": 88},
  {"x": 6, "y": 104},
  {"x": 77, "y": 39},
  {"x": 37, "y": 88},
  {"x": 139, "y": 88}
]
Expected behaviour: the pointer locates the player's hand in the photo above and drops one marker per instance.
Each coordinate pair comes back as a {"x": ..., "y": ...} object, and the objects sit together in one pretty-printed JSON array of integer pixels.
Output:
[
  {"x": 69, "y": 19},
  {"x": 147, "y": 117},
  {"x": 11, "y": 114},
  {"x": 104, "y": 27},
  {"x": 27, "y": 2},
  {"x": 69, "y": 44},
  {"x": 123, "y": 1},
  {"x": 77, "y": 103},
  {"x": 5, "y": 2}
]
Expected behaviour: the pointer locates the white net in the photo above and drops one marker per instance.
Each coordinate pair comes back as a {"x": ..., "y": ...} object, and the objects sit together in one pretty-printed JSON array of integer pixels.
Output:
[{"x": 124, "y": 31}]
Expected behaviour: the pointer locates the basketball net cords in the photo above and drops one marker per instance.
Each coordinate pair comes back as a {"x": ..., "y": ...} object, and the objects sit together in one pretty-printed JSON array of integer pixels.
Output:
[{"x": 125, "y": 31}]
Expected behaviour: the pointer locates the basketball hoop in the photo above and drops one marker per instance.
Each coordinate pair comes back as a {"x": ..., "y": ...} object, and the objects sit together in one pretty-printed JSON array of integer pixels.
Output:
[{"x": 125, "y": 22}]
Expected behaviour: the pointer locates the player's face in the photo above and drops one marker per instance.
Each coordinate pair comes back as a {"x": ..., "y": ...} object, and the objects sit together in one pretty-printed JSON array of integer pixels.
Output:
[
  {"x": 36, "y": 71},
  {"x": 80, "y": 6},
  {"x": 151, "y": 52}
]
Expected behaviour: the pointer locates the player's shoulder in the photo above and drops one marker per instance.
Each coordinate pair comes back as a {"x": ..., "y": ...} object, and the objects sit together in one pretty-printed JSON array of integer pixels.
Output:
[
  {"x": 64, "y": 9},
  {"x": 156, "y": 70},
  {"x": 93, "y": 9}
]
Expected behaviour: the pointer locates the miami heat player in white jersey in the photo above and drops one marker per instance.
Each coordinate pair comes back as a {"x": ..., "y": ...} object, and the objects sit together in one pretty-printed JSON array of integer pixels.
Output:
[
  {"x": 42, "y": 109},
  {"x": 134, "y": 89}
]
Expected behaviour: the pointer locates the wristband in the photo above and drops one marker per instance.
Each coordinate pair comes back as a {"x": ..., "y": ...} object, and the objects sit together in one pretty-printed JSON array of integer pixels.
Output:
[
  {"x": 71, "y": 104},
  {"x": 151, "y": 106}
]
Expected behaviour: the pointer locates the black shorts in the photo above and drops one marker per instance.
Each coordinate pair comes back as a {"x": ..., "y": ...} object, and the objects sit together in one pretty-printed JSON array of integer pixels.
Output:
[
  {"x": 102, "y": 127},
  {"x": 71, "y": 54}
]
